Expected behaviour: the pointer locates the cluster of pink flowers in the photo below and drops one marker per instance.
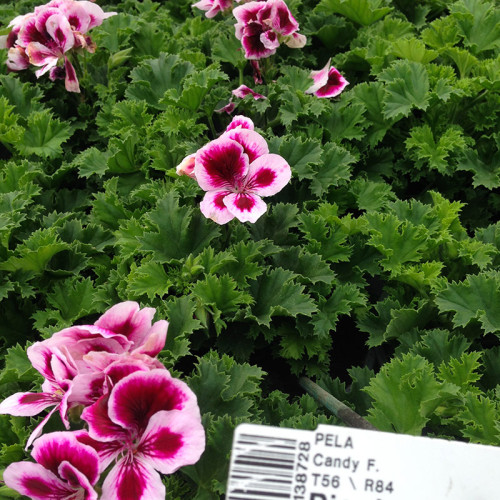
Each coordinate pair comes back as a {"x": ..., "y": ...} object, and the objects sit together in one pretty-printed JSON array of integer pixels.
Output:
[
  {"x": 236, "y": 171},
  {"x": 46, "y": 37},
  {"x": 138, "y": 417},
  {"x": 261, "y": 25}
]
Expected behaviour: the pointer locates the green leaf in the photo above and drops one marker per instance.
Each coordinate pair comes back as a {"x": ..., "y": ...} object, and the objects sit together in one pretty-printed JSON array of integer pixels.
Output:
[
  {"x": 462, "y": 372},
  {"x": 177, "y": 233},
  {"x": 413, "y": 49},
  {"x": 243, "y": 266},
  {"x": 227, "y": 48},
  {"x": 152, "y": 78},
  {"x": 124, "y": 159},
  {"x": 479, "y": 24},
  {"x": 371, "y": 195},
  {"x": 480, "y": 419},
  {"x": 334, "y": 169},
  {"x": 276, "y": 294},
  {"x": 426, "y": 149},
  {"x": 363, "y": 12},
  {"x": 307, "y": 265},
  {"x": 222, "y": 297},
  {"x": 301, "y": 154},
  {"x": 24, "y": 97},
  {"x": 150, "y": 278},
  {"x": 10, "y": 131},
  {"x": 345, "y": 121},
  {"x": 343, "y": 300},
  {"x": 485, "y": 174},
  {"x": 180, "y": 312},
  {"x": 439, "y": 346},
  {"x": 92, "y": 162},
  {"x": 398, "y": 242},
  {"x": 44, "y": 135},
  {"x": 402, "y": 393},
  {"x": 463, "y": 59},
  {"x": 475, "y": 298},
  {"x": 224, "y": 387},
  {"x": 407, "y": 87}
]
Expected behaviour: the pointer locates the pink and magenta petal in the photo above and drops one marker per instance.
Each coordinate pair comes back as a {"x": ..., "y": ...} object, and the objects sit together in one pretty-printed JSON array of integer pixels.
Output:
[
  {"x": 52, "y": 449},
  {"x": 268, "y": 175},
  {"x": 129, "y": 320},
  {"x": 71, "y": 80},
  {"x": 186, "y": 166},
  {"x": 240, "y": 121},
  {"x": 101, "y": 427},
  {"x": 212, "y": 207},
  {"x": 36, "y": 482},
  {"x": 172, "y": 440},
  {"x": 137, "y": 397},
  {"x": 78, "y": 481},
  {"x": 334, "y": 86},
  {"x": 254, "y": 145},
  {"x": 221, "y": 164},
  {"x": 28, "y": 404},
  {"x": 282, "y": 20},
  {"x": 155, "y": 341},
  {"x": 246, "y": 207},
  {"x": 131, "y": 479},
  {"x": 242, "y": 91}
]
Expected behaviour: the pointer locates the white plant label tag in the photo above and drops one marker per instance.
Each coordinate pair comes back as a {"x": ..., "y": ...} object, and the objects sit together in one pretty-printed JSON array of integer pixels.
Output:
[{"x": 340, "y": 463}]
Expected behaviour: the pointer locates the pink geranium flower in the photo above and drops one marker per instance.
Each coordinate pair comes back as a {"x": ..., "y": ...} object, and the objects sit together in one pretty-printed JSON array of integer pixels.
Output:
[
  {"x": 237, "y": 171},
  {"x": 149, "y": 422},
  {"x": 45, "y": 38},
  {"x": 66, "y": 469},
  {"x": 74, "y": 361},
  {"x": 262, "y": 26},
  {"x": 242, "y": 91},
  {"x": 213, "y": 7},
  {"x": 328, "y": 82}
]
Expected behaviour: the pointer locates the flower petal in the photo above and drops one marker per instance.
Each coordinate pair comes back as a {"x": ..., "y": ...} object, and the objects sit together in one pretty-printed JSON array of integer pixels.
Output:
[
  {"x": 242, "y": 91},
  {"x": 296, "y": 41},
  {"x": 268, "y": 175},
  {"x": 37, "y": 431},
  {"x": 220, "y": 164},
  {"x": 101, "y": 427},
  {"x": 320, "y": 78},
  {"x": 77, "y": 480},
  {"x": 52, "y": 449},
  {"x": 155, "y": 341},
  {"x": 36, "y": 482},
  {"x": 58, "y": 28},
  {"x": 27, "y": 404},
  {"x": 254, "y": 145},
  {"x": 246, "y": 207},
  {"x": 107, "y": 451},
  {"x": 17, "y": 59},
  {"x": 334, "y": 86},
  {"x": 213, "y": 207},
  {"x": 40, "y": 55},
  {"x": 133, "y": 479},
  {"x": 282, "y": 20},
  {"x": 172, "y": 440},
  {"x": 71, "y": 80},
  {"x": 126, "y": 318},
  {"x": 186, "y": 166},
  {"x": 137, "y": 397},
  {"x": 240, "y": 121}
]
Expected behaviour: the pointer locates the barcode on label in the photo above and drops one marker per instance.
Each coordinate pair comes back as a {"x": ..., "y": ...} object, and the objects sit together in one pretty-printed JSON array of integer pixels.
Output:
[{"x": 262, "y": 468}]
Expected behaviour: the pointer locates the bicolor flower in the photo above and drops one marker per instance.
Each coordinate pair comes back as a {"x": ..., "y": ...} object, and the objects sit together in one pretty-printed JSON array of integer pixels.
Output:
[
  {"x": 237, "y": 171},
  {"x": 213, "y": 7},
  {"x": 262, "y": 26},
  {"x": 328, "y": 82},
  {"x": 45, "y": 38},
  {"x": 65, "y": 469},
  {"x": 75, "y": 361},
  {"x": 149, "y": 423}
]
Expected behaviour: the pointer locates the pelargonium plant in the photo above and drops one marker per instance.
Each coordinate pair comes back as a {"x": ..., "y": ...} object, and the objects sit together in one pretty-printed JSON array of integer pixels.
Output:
[
  {"x": 139, "y": 417},
  {"x": 50, "y": 36},
  {"x": 236, "y": 171},
  {"x": 262, "y": 26}
]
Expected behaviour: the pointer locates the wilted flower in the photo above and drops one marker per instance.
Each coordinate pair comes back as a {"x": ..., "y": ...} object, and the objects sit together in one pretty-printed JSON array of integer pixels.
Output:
[
  {"x": 66, "y": 469},
  {"x": 262, "y": 26},
  {"x": 46, "y": 37},
  {"x": 328, "y": 82},
  {"x": 149, "y": 422},
  {"x": 237, "y": 171}
]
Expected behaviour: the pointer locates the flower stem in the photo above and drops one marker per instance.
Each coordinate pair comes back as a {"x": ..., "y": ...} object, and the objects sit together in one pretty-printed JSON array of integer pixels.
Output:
[{"x": 339, "y": 409}]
